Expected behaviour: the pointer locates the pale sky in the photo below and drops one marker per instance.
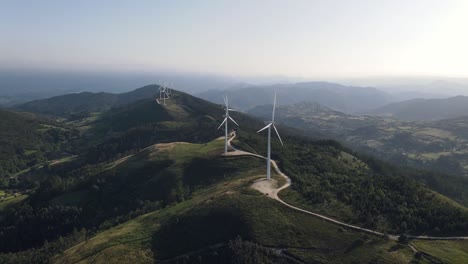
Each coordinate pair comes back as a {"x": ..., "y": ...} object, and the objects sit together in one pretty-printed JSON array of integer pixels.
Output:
[{"x": 241, "y": 37}]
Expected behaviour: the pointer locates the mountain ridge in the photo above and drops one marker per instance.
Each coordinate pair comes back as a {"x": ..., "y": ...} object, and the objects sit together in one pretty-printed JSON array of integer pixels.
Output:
[
  {"x": 425, "y": 109},
  {"x": 342, "y": 98},
  {"x": 75, "y": 103}
]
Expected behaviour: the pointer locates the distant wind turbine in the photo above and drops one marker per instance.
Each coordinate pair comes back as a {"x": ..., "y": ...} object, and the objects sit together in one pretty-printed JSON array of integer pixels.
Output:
[
  {"x": 225, "y": 122},
  {"x": 164, "y": 92},
  {"x": 271, "y": 124}
]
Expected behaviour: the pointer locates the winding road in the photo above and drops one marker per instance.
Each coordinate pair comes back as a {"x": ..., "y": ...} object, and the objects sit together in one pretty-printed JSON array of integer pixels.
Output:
[{"x": 267, "y": 187}]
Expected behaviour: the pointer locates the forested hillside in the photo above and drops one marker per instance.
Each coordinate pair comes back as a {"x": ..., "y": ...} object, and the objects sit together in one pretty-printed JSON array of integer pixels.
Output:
[
  {"x": 71, "y": 104},
  {"x": 27, "y": 139},
  {"x": 358, "y": 189},
  {"x": 438, "y": 147}
]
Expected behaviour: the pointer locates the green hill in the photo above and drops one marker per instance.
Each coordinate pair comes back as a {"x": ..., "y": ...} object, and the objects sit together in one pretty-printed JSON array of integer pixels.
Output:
[
  {"x": 72, "y": 104},
  {"x": 124, "y": 130},
  {"x": 27, "y": 140},
  {"x": 206, "y": 229}
]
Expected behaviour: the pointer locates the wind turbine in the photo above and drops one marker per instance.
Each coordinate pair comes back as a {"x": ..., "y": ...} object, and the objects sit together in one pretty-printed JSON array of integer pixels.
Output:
[
  {"x": 269, "y": 126},
  {"x": 164, "y": 92},
  {"x": 225, "y": 122}
]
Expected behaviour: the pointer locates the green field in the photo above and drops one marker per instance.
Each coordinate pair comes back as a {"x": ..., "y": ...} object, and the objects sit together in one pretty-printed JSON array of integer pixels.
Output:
[
  {"x": 455, "y": 251},
  {"x": 12, "y": 200}
]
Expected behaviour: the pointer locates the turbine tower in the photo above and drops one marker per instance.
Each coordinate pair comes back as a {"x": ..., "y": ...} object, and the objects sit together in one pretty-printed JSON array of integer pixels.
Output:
[
  {"x": 225, "y": 122},
  {"x": 269, "y": 126}
]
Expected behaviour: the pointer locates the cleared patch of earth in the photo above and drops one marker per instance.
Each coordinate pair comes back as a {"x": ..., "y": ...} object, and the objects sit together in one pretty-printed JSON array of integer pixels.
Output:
[{"x": 267, "y": 187}]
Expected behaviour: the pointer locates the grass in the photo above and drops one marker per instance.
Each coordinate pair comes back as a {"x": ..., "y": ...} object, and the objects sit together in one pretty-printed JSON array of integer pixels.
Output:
[
  {"x": 445, "y": 199},
  {"x": 84, "y": 124},
  {"x": 28, "y": 152},
  {"x": 333, "y": 209},
  {"x": 63, "y": 160},
  {"x": 265, "y": 221},
  {"x": 256, "y": 218},
  {"x": 434, "y": 132},
  {"x": 222, "y": 209},
  {"x": 352, "y": 161},
  {"x": 243, "y": 146},
  {"x": 268, "y": 223},
  {"x": 12, "y": 200},
  {"x": 446, "y": 251},
  {"x": 433, "y": 155},
  {"x": 176, "y": 111},
  {"x": 134, "y": 237}
]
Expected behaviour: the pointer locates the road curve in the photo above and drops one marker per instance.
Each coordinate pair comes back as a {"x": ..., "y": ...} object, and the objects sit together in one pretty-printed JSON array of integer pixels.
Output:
[{"x": 273, "y": 193}]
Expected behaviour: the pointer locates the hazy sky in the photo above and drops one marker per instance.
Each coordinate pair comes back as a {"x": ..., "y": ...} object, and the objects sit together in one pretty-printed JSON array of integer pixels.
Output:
[{"x": 292, "y": 38}]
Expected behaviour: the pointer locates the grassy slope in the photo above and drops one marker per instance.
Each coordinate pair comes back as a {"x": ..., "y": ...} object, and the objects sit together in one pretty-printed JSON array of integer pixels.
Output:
[
  {"x": 137, "y": 233},
  {"x": 11, "y": 201},
  {"x": 445, "y": 251},
  {"x": 268, "y": 223},
  {"x": 257, "y": 218},
  {"x": 27, "y": 140}
]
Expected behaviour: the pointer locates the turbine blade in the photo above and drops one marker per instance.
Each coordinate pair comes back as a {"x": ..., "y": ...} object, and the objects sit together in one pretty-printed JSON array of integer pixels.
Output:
[
  {"x": 233, "y": 120},
  {"x": 267, "y": 126},
  {"x": 278, "y": 135},
  {"x": 232, "y": 110},
  {"x": 274, "y": 106},
  {"x": 224, "y": 98},
  {"x": 225, "y": 119}
]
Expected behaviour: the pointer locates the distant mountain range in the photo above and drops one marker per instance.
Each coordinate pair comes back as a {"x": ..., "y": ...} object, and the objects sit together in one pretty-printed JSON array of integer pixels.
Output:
[
  {"x": 425, "y": 109},
  {"x": 345, "y": 99},
  {"x": 20, "y": 86},
  {"x": 339, "y": 97}
]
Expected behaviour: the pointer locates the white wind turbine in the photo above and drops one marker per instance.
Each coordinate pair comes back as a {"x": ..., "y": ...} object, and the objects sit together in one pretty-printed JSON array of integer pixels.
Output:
[
  {"x": 225, "y": 122},
  {"x": 164, "y": 92},
  {"x": 271, "y": 124}
]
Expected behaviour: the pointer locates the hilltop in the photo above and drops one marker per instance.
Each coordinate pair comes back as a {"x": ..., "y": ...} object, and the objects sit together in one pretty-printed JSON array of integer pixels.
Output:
[{"x": 70, "y": 104}]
